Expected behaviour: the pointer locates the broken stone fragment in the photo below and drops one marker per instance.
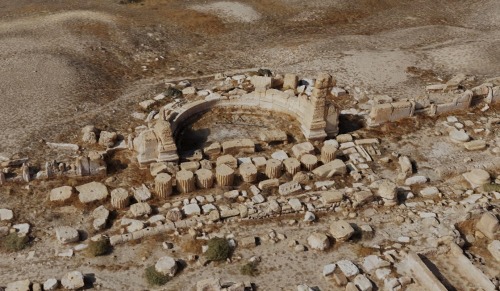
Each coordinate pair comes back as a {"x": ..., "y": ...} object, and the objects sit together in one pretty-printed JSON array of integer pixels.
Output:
[
  {"x": 494, "y": 249},
  {"x": 50, "y": 284},
  {"x": 140, "y": 209},
  {"x": 23, "y": 285},
  {"x": 67, "y": 234},
  {"x": 477, "y": 177},
  {"x": 348, "y": 268},
  {"x": 302, "y": 148},
  {"x": 416, "y": 180},
  {"x": 475, "y": 145},
  {"x": 6, "y": 214},
  {"x": 406, "y": 167},
  {"x": 61, "y": 194},
  {"x": 459, "y": 136},
  {"x": 488, "y": 225},
  {"x": 318, "y": 241},
  {"x": 429, "y": 191},
  {"x": 329, "y": 197},
  {"x": 93, "y": 191},
  {"x": 341, "y": 230},
  {"x": 166, "y": 266},
  {"x": 142, "y": 193},
  {"x": 388, "y": 191},
  {"x": 73, "y": 280},
  {"x": 107, "y": 138},
  {"x": 191, "y": 209}
]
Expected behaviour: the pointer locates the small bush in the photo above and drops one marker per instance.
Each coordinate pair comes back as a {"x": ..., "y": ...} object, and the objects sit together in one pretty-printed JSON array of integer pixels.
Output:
[
  {"x": 491, "y": 187},
  {"x": 155, "y": 278},
  {"x": 218, "y": 249},
  {"x": 173, "y": 92},
  {"x": 264, "y": 72},
  {"x": 99, "y": 248},
  {"x": 13, "y": 242},
  {"x": 249, "y": 269}
]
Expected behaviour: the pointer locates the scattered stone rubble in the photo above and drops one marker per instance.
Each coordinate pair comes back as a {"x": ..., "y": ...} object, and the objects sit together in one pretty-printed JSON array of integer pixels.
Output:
[{"x": 346, "y": 187}]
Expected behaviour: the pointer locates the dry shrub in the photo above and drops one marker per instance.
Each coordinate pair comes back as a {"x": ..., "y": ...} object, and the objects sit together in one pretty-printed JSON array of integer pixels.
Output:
[
  {"x": 193, "y": 246},
  {"x": 218, "y": 249},
  {"x": 14, "y": 242},
  {"x": 99, "y": 248},
  {"x": 155, "y": 278}
]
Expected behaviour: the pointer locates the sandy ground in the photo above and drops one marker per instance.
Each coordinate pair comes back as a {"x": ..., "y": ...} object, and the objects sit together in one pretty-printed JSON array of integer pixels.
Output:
[{"x": 67, "y": 64}]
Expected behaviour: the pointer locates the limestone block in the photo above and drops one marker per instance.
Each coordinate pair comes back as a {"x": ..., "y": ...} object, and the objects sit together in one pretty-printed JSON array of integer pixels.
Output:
[
  {"x": 324, "y": 81},
  {"x": 190, "y": 166},
  {"x": 290, "y": 82},
  {"x": 289, "y": 188},
  {"x": 66, "y": 234},
  {"x": 228, "y": 160},
  {"x": 213, "y": 149},
  {"x": 244, "y": 145},
  {"x": 268, "y": 184},
  {"x": 107, "y": 138},
  {"x": 142, "y": 193},
  {"x": 348, "y": 268},
  {"x": 167, "y": 266},
  {"x": 302, "y": 148},
  {"x": 329, "y": 197},
  {"x": 6, "y": 214},
  {"x": 140, "y": 209},
  {"x": 494, "y": 249},
  {"x": 61, "y": 194},
  {"x": 475, "y": 145},
  {"x": 23, "y": 285},
  {"x": 335, "y": 167},
  {"x": 93, "y": 191},
  {"x": 341, "y": 230},
  {"x": 477, "y": 177},
  {"x": 488, "y": 225},
  {"x": 73, "y": 280},
  {"x": 318, "y": 241},
  {"x": 261, "y": 83}
]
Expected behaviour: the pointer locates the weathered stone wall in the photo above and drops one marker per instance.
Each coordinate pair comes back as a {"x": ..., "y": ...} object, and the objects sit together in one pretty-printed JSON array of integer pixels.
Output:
[
  {"x": 317, "y": 117},
  {"x": 394, "y": 111}
]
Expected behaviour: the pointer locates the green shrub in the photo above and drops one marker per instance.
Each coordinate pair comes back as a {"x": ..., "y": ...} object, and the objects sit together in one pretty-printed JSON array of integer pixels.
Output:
[
  {"x": 491, "y": 187},
  {"x": 173, "y": 92},
  {"x": 155, "y": 278},
  {"x": 249, "y": 269},
  {"x": 99, "y": 248},
  {"x": 13, "y": 242},
  {"x": 264, "y": 72},
  {"x": 218, "y": 249}
]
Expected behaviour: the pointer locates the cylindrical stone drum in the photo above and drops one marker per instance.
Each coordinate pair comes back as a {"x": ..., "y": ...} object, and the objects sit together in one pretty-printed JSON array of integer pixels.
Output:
[
  {"x": 120, "y": 198},
  {"x": 185, "y": 181},
  {"x": 248, "y": 172},
  {"x": 328, "y": 152},
  {"x": 224, "y": 175},
  {"x": 309, "y": 161},
  {"x": 292, "y": 166},
  {"x": 273, "y": 168},
  {"x": 163, "y": 185},
  {"x": 204, "y": 178}
]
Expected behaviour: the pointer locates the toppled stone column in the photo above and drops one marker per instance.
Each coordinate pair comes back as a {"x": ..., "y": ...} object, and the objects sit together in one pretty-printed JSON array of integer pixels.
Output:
[
  {"x": 224, "y": 175},
  {"x": 328, "y": 152},
  {"x": 163, "y": 185},
  {"x": 120, "y": 198},
  {"x": 273, "y": 168},
  {"x": 292, "y": 166},
  {"x": 248, "y": 172},
  {"x": 309, "y": 161},
  {"x": 185, "y": 181},
  {"x": 204, "y": 178}
]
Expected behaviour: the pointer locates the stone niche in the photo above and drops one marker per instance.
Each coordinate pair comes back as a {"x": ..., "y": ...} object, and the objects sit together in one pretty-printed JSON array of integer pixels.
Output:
[{"x": 318, "y": 116}]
